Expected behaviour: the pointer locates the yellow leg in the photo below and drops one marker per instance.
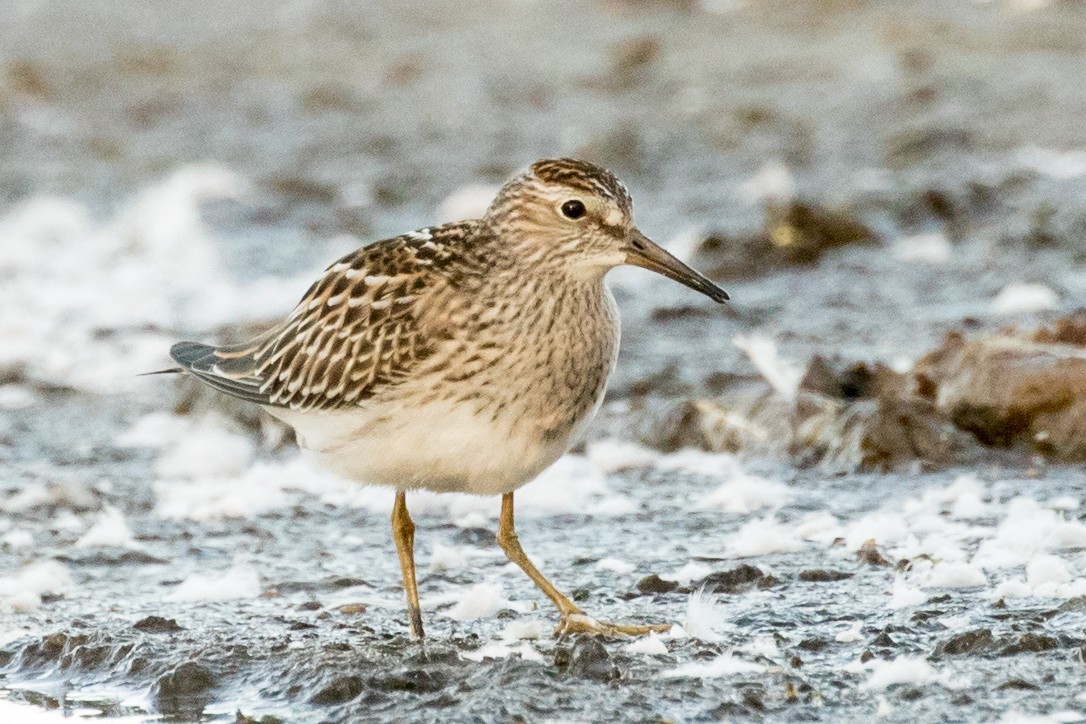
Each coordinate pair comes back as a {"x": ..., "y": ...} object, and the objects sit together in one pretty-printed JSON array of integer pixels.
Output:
[
  {"x": 573, "y": 619},
  {"x": 403, "y": 532}
]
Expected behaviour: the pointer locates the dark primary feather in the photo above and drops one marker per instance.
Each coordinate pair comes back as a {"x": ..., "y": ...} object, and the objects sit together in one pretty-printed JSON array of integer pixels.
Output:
[{"x": 354, "y": 332}]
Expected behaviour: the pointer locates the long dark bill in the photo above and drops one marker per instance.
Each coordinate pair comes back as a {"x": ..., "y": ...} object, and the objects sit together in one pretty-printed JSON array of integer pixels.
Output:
[{"x": 645, "y": 253}]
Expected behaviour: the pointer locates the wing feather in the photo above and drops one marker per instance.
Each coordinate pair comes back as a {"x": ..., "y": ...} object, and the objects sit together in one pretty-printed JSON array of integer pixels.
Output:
[{"x": 355, "y": 332}]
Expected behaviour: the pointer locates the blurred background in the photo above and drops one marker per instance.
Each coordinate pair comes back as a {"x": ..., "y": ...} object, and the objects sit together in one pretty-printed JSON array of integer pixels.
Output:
[{"x": 894, "y": 194}]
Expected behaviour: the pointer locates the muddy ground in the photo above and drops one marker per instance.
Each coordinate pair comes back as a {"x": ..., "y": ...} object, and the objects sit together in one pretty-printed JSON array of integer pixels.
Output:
[{"x": 862, "y": 178}]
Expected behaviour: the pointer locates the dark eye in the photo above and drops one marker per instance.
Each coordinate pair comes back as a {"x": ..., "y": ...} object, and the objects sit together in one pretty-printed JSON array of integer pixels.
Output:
[{"x": 573, "y": 209}]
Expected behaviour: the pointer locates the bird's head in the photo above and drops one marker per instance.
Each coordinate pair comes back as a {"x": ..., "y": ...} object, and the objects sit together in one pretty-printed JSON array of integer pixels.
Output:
[{"x": 579, "y": 215}]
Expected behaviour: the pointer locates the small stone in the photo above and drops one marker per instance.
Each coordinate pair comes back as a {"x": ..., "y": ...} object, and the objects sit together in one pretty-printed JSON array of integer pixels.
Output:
[
  {"x": 352, "y": 609},
  {"x": 978, "y": 641},
  {"x": 157, "y": 624},
  {"x": 736, "y": 580},
  {"x": 870, "y": 554},
  {"x": 184, "y": 692},
  {"x": 822, "y": 575},
  {"x": 652, "y": 583},
  {"x": 341, "y": 690},
  {"x": 588, "y": 659},
  {"x": 813, "y": 645},
  {"x": 1031, "y": 644}
]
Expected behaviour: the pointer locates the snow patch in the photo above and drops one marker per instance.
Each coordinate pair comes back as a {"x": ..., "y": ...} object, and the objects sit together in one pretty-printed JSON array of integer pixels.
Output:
[
  {"x": 23, "y": 591},
  {"x": 923, "y": 249},
  {"x": 1025, "y": 298},
  {"x": 239, "y": 582},
  {"x": 723, "y": 665},
  {"x": 110, "y": 529},
  {"x": 902, "y": 670}
]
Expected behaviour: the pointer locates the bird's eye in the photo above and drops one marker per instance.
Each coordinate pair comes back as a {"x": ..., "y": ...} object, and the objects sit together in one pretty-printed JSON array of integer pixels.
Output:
[{"x": 573, "y": 209}]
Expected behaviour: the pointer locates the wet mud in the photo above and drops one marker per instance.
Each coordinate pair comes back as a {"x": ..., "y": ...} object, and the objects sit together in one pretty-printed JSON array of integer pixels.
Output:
[{"x": 857, "y": 492}]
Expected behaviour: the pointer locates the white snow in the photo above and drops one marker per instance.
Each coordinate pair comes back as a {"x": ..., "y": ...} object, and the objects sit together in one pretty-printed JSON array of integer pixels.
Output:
[
  {"x": 19, "y": 539},
  {"x": 152, "y": 266},
  {"x": 447, "y": 558},
  {"x": 241, "y": 581},
  {"x": 526, "y": 629},
  {"x": 1059, "y": 165},
  {"x": 924, "y": 249},
  {"x": 761, "y": 537},
  {"x": 902, "y": 670},
  {"x": 851, "y": 634},
  {"x": 650, "y": 644},
  {"x": 22, "y": 591},
  {"x": 1025, "y": 298},
  {"x": 615, "y": 565},
  {"x": 723, "y": 665},
  {"x": 903, "y": 595},
  {"x": 502, "y": 650},
  {"x": 480, "y": 601},
  {"x": 614, "y": 456},
  {"x": 110, "y": 529}
]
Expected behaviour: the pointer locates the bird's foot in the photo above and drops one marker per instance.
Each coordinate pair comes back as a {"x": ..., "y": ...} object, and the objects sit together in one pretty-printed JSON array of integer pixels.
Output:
[{"x": 578, "y": 622}]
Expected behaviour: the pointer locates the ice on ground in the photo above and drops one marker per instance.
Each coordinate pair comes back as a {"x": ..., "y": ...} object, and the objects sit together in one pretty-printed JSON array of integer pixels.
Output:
[
  {"x": 447, "y": 558},
  {"x": 741, "y": 492},
  {"x": 16, "y": 397},
  {"x": 1025, "y": 298},
  {"x": 746, "y": 493},
  {"x": 258, "y": 490},
  {"x": 902, "y": 670},
  {"x": 615, "y": 565},
  {"x": 525, "y": 629},
  {"x": 762, "y": 536},
  {"x": 110, "y": 529},
  {"x": 850, "y": 635},
  {"x": 153, "y": 266},
  {"x": 651, "y": 645},
  {"x": 18, "y": 539},
  {"x": 690, "y": 571},
  {"x": 504, "y": 649},
  {"x": 206, "y": 450},
  {"x": 239, "y": 582},
  {"x": 782, "y": 376},
  {"x": 923, "y": 248},
  {"x": 723, "y": 665},
  {"x": 63, "y": 491},
  {"x": 1060, "y": 165},
  {"x": 947, "y": 574},
  {"x": 903, "y": 595},
  {"x": 1027, "y": 530},
  {"x": 705, "y": 615},
  {"x": 480, "y": 601},
  {"x": 23, "y": 591},
  {"x": 615, "y": 456}
]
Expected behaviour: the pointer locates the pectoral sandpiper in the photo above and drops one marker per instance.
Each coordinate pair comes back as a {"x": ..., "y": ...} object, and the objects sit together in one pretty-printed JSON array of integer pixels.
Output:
[{"x": 464, "y": 357}]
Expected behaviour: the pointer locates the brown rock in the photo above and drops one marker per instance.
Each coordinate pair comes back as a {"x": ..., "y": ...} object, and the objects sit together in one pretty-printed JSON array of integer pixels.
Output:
[{"x": 1010, "y": 390}]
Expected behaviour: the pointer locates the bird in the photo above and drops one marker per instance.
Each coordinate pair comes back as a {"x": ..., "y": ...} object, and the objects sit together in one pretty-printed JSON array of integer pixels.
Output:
[{"x": 466, "y": 357}]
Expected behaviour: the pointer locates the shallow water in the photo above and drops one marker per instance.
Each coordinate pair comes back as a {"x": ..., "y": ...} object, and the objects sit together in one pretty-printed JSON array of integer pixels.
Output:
[{"x": 164, "y": 175}]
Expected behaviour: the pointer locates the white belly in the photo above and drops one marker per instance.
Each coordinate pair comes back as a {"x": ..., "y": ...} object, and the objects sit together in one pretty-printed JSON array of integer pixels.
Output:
[{"x": 441, "y": 447}]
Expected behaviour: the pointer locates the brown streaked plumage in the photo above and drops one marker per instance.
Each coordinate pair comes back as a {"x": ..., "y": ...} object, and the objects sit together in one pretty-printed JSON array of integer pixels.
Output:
[{"x": 464, "y": 357}]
